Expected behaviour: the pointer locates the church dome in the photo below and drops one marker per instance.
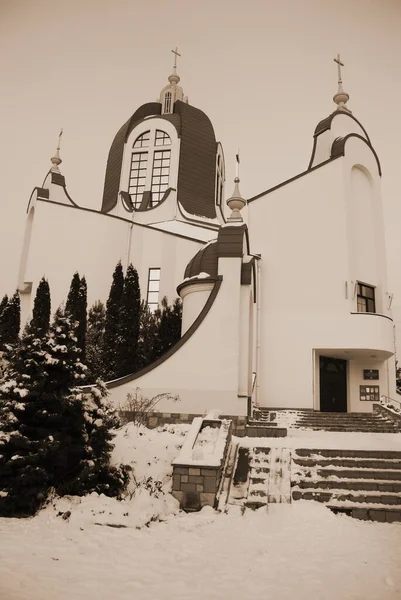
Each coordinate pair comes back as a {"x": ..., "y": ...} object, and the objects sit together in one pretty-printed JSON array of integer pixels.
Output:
[{"x": 204, "y": 261}]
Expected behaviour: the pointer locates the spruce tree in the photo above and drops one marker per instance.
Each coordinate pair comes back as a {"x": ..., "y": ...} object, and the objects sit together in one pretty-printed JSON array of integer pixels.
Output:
[
  {"x": 169, "y": 331},
  {"x": 148, "y": 337},
  {"x": 128, "y": 328},
  {"x": 3, "y": 303},
  {"x": 45, "y": 425},
  {"x": 40, "y": 321},
  {"x": 42, "y": 425},
  {"x": 110, "y": 356},
  {"x": 76, "y": 306},
  {"x": 10, "y": 322},
  {"x": 94, "y": 341}
]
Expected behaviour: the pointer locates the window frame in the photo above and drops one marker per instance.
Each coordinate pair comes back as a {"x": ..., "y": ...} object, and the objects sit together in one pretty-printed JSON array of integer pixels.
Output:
[
  {"x": 159, "y": 142},
  {"x": 363, "y": 300},
  {"x": 154, "y": 305}
]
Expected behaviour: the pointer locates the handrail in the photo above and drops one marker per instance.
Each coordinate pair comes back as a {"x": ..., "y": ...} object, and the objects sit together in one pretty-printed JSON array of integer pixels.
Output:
[{"x": 391, "y": 399}]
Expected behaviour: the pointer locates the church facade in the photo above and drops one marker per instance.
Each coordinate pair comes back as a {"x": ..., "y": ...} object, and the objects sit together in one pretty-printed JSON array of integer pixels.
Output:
[{"x": 285, "y": 298}]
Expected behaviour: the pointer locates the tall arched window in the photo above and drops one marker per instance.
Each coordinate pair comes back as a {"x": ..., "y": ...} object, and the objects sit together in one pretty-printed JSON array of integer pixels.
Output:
[
  {"x": 150, "y": 167},
  {"x": 167, "y": 103},
  {"x": 219, "y": 180}
]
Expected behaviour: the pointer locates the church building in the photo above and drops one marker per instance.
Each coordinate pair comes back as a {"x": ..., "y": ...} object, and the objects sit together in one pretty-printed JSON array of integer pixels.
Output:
[{"x": 285, "y": 298}]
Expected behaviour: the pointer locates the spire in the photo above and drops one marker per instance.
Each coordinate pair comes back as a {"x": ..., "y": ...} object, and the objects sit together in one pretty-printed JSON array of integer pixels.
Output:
[
  {"x": 56, "y": 160},
  {"x": 172, "y": 91},
  {"x": 236, "y": 202},
  {"x": 174, "y": 77},
  {"x": 341, "y": 98}
]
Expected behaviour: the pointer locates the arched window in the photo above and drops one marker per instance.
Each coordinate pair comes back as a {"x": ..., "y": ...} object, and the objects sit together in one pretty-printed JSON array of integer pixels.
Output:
[
  {"x": 150, "y": 167},
  {"x": 219, "y": 180}
]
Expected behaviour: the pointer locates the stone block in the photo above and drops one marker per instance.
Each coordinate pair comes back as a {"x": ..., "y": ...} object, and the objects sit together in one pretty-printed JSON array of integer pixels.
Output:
[
  {"x": 178, "y": 496},
  {"x": 360, "y": 513},
  {"x": 184, "y": 478},
  {"x": 188, "y": 487},
  {"x": 376, "y": 514},
  {"x": 207, "y": 499},
  {"x": 181, "y": 470},
  {"x": 193, "y": 471},
  {"x": 166, "y": 415},
  {"x": 208, "y": 472},
  {"x": 195, "y": 479},
  {"x": 393, "y": 516},
  {"x": 210, "y": 485},
  {"x": 199, "y": 487},
  {"x": 176, "y": 481}
]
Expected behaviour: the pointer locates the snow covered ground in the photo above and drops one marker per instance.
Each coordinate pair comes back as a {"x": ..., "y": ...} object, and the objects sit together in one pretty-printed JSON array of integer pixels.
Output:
[{"x": 77, "y": 549}]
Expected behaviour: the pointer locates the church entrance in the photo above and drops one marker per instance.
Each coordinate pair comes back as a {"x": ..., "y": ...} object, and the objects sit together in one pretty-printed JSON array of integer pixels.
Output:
[{"x": 333, "y": 384}]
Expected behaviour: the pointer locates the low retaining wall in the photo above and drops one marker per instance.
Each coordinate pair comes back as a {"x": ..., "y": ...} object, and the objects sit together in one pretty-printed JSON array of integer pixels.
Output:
[{"x": 154, "y": 420}]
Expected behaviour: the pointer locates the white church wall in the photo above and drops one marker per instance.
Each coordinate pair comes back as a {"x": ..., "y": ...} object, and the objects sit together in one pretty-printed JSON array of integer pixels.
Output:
[
  {"x": 355, "y": 376},
  {"x": 64, "y": 240},
  {"x": 204, "y": 370},
  {"x": 341, "y": 125},
  {"x": 301, "y": 230},
  {"x": 194, "y": 298}
]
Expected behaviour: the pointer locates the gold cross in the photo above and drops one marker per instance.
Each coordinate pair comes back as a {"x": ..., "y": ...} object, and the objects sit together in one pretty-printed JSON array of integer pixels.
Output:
[
  {"x": 339, "y": 65},
  {"x": 175, "y": 57},
  {"x": 59, "y": 139}
]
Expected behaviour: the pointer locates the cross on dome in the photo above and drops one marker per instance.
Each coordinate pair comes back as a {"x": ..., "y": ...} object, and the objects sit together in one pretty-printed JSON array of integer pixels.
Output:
[
  {"x": 340, "y": 98},
  {"x": 176, "y": 53}
]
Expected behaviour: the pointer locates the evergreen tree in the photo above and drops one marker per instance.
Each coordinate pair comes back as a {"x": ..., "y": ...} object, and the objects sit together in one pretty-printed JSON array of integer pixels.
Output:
[
  {"x": 148, "y": 336},
  {"x": 94, "y": 341},
  {"x": 169, "y": 330},
  {"x": 3, "y": 303},
  {"x": 10, "y": 322},
  {"x": 76, "y": 306},
  {"x": 110, "y": 356},
  {"x": 128, "y": 328},
  {"x": 45, "y": 426},
  {"x": 40, "y": 321}
]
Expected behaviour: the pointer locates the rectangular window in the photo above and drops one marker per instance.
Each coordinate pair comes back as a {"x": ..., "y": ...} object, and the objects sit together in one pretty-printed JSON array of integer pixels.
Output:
[
  {"x": 370, "y": 393},
  {"x": 153, "y": 289},
  {"x": 139, "y": 162},
  {"x": 160, "y": 174},
  {"x": 366, "y": 298}
]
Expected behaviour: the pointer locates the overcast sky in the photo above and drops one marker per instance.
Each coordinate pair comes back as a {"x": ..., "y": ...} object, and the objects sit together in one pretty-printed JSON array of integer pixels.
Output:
[{"x": 262, "y": 70}]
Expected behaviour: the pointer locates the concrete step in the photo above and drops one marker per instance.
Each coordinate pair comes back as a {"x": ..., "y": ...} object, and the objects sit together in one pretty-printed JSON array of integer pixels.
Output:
[
  {"x": 383, "y": 475},
  {"x": 349, "y": 463},
  {"x": 334, "y": 453},
  {"x": 359, "y": 485},
  {"x": 350, "y": 497}
]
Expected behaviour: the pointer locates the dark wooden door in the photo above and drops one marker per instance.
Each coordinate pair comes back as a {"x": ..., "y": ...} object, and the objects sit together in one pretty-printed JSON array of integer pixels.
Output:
[{"x": 333, "y": 384}]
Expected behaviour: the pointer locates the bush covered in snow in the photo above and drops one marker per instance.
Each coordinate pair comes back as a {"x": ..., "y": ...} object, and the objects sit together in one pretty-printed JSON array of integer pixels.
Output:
[{"x": 50, "y": 436}]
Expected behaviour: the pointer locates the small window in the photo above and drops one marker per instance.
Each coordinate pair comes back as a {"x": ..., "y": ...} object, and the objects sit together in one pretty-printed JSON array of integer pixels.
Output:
[
  {"x": 369, "y": 393},
  {"x": 153, "y": 289},
  {"x": 167, "y": 102},
  {"x": 366, "y": 298}
]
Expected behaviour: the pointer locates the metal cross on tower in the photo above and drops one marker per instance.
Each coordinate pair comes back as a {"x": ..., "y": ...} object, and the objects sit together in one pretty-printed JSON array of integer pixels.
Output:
[
  {"x": 176, "y": 53},
  {"x": 59, "y": 139},
  {"x": 339, "y": 65}
]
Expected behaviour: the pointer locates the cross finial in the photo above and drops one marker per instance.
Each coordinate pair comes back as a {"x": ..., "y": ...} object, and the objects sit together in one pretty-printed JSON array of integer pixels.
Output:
[
  {"x": 339, "y": 65},
  {"x": 56, "y": 160},
  {"x": 176, "y": 53},
  {"x": 237, "y": 165},
  {"x": 341, "y": 98}
]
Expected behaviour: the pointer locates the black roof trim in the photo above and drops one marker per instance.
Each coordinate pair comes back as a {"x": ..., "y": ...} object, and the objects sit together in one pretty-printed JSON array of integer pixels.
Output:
[
  {"x": 58, "y": 179},
  {"x": 210, "y": 226},
  {"x": 97, "y": 212},
  {"x": 276, "y": 187},
  {"x": 189, "y": 333},
  {"x": 338, "y": 148},
  {"x": 325, "y": 124}
]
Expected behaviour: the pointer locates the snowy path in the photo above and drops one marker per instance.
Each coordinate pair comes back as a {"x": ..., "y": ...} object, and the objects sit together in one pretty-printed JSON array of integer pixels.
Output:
[{"x": 299, "y": 551}]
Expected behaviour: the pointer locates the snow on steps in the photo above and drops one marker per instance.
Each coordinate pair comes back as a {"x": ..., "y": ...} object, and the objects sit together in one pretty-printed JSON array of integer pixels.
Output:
[{"x": 363, "y": 484}]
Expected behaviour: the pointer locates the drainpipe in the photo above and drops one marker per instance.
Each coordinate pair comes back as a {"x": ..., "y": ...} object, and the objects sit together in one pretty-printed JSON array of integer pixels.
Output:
[{"x": 258, "y": 304}]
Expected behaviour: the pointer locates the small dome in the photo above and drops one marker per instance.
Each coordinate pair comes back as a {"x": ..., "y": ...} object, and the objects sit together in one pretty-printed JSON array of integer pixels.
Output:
[{"x": 204, "y": 261}]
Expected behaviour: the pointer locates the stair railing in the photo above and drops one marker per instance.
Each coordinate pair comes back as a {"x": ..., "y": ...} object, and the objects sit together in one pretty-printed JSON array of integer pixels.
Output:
[{"x": 387, "y": 400}]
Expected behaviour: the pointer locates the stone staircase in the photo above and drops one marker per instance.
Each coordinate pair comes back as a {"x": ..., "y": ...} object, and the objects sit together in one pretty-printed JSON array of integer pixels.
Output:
[
  {"x": 331, "y": 421},
  {"x": 364, "y": 484}
]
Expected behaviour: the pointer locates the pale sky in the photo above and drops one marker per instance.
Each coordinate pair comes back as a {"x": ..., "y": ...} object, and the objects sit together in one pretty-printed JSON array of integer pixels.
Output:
[{"x": 262, "y": 70}]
